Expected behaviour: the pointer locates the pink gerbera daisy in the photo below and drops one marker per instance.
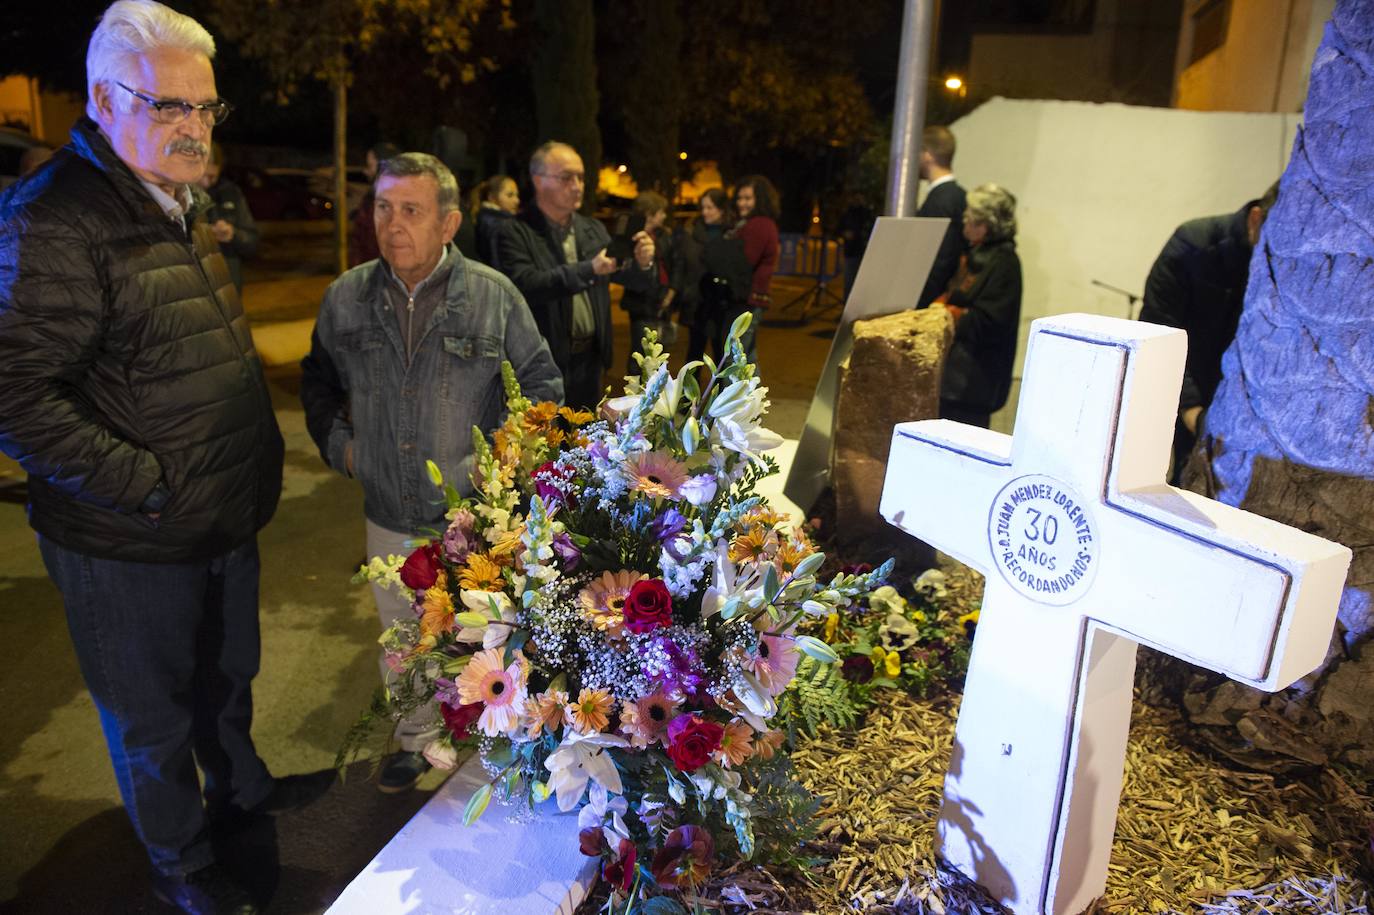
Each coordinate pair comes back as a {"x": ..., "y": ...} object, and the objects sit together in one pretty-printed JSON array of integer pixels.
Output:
[
  {"x": 656, "y": 474},
  {"x": 603, "y": 600},
  {"x": 645, "y": 721},
  {"x": 775, "y": 664},
  {"x": 501, "y": 691}
]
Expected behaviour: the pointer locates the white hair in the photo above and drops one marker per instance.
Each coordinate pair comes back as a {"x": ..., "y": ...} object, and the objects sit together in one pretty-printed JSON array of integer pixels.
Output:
[{"x": 130, "y": 28}]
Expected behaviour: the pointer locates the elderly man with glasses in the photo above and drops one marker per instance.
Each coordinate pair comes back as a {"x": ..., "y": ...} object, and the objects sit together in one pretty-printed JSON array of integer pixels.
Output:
[
  {"x": 558, "y": 260},
  {"x": 131, "y": 394}
]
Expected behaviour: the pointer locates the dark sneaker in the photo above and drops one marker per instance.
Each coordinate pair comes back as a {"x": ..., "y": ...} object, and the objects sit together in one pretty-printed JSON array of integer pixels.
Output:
[
  {"x": 400, "y": 771},
  {"x": 208, "y": 891},
  {"x": 291, "y": 792}
]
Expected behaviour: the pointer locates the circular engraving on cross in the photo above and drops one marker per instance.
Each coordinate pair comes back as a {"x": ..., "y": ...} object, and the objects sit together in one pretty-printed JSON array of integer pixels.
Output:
[{"x": 1044, "y": 540}]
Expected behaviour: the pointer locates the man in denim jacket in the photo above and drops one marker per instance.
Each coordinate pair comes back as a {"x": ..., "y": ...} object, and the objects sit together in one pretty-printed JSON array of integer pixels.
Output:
[{"x": 405, "y": 360}]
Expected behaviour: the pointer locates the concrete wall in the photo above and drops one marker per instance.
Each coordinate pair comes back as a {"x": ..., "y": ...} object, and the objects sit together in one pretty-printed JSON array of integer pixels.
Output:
[
  {"x": 1263, "y": 62},
  {"x": 1100, "y": 187}
]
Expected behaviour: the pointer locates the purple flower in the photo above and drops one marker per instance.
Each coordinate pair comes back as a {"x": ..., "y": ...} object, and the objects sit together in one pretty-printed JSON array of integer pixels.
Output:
[
  {"x": 667, "y": 524},
  {"x": 567, "y": 551},
  {"x": 681, "y": 675},
  {"x": 551, "y": 482},
  {"x": 460, "y": 539},
  {"x": 700, "y": 489}
]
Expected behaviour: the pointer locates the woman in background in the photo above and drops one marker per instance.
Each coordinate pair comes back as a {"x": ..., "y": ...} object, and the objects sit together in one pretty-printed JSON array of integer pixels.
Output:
[
  {"x": 649, "y": 308},
  {"x": 985, "y": 298},
  {"x": 756, "y": 201},
  {"x": 700, "y": 274},
  {"x": 496, "y": 201}
]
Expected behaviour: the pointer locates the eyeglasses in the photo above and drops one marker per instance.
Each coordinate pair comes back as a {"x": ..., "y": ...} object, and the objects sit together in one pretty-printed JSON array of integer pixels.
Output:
[
  {"x": 567, "y": 178},
  {"x": 174, "y": 111}
]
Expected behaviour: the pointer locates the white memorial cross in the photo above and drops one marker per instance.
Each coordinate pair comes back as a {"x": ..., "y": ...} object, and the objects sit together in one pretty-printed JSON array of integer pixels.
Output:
[{"x": 1088, "y": 553}]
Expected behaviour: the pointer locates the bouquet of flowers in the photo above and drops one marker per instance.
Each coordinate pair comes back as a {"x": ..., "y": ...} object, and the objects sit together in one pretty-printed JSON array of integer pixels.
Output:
[{"x": 611, "y": 618}]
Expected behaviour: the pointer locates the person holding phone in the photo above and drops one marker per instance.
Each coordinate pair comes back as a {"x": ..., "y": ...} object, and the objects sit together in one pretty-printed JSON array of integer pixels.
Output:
[
  {"x": 648, "y": 308},
  {"x": 558, "y": 260}
]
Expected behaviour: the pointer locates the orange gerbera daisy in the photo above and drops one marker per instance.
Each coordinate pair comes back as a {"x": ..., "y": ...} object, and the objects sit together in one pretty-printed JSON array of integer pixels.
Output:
[
  {"x": 480, "y": 573},
  {"x": 541, "y": 414},
  {"x": 736, "y": 744},
  {"x": 437, "y": 616},
  {"x": 547, "y": 712},
  {"x": 751, "y": 546},
  {"x": 603, "y": 600},
  {"x": 790, "y": 554},
  {"x": 766, "y": 744},
  {"x": 592, "y": 711}
]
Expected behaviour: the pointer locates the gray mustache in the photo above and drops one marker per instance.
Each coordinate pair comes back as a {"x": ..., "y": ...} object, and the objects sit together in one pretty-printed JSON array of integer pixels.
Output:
[{"x": 188, "y": 145}]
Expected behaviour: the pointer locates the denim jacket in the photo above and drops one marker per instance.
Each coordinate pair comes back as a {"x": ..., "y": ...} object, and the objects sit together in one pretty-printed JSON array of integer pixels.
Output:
[{"x": 357, "y": 387}]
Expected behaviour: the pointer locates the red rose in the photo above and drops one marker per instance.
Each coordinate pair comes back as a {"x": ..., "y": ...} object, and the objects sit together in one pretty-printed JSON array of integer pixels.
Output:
[
  {"x": 421, "y": 569},
  {"x": 648, "y": 606},
  {"x": 691, "y": 741},
  {"x": 459, "y": 719}
]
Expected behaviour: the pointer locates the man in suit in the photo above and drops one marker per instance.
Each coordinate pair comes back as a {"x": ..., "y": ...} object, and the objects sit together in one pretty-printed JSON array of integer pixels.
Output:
[
  {"x": 945, "y": 198},
  {"x": 557, "y": 259}
]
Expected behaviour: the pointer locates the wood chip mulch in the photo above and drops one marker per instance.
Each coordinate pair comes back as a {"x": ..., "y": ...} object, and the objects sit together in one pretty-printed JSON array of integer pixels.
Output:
[{"x": 1193, "y": 834}]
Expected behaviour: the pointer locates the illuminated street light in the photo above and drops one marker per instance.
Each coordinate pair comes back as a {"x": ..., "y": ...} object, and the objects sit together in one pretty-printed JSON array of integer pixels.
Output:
[
  {"x": 954, "y": 83},
  {"x": 682, "y": 155},
  {"x": 623, "y": 169}
]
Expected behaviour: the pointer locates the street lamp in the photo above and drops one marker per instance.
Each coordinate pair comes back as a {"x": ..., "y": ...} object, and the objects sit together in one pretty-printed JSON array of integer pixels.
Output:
[{"x": 954, "y": 83}]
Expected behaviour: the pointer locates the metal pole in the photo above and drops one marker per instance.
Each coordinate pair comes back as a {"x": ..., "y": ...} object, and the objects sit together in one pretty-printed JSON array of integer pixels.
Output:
[{"x": 909, "y": 112}]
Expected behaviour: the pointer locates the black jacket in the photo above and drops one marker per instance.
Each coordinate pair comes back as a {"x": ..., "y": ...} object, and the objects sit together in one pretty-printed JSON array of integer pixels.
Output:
[
  {"x": 647, "y": 303},
  {"x": 978, "y": 368},
  {"x": 490, "y": 224},
  {"x": 531, "y": 256},
  {"x": 1198, "y": 283},
  {"x": 946, "y": 200},
  {"x": 125, "y": 362},
  {"x": 228, "y": 203}
]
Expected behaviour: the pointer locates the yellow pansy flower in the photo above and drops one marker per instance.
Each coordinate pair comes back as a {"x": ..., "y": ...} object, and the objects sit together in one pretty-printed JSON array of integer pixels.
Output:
[{"x": 894, "y": 664}]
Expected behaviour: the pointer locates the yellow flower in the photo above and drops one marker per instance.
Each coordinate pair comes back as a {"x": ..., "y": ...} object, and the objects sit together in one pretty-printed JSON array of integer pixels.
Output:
[
  {"x": 736, "y": 744},
  {"x": 591, "y": 713},
  {"x": 968, "y": 621},
  {"x": 508, "y": 544},
  {"x": 481, "y": 574},
  {"x": 917, "y": 616},
  {"x": 576, "y": 417},
  {"x": 790, "y": 554},
  {"x": 894, "y": 664},
  {"x": 832, "y": 626},
  {"x": 547, "y": 712},
  {"x": 878, "y": 656}
]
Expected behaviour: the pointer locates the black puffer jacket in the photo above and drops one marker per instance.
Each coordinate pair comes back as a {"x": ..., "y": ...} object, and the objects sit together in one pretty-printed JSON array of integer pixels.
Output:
[
  {"x": 978, "y": 367},
  {"x": 125, "y": 360}
]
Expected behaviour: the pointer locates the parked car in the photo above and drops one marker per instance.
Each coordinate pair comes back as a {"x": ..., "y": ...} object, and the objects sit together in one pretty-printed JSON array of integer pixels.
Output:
[
  {"x": 280, "y": 193},
  {"x": 13, "y": 144},
  {"x": 355, "y": 184}
]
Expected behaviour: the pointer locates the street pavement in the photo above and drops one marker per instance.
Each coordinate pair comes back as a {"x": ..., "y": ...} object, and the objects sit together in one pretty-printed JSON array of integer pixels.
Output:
[{"x": 65, "y": 843}]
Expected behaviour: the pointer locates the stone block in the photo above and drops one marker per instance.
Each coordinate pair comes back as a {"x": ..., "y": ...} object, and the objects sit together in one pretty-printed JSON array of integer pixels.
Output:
[{"x": 891, "y": 376}]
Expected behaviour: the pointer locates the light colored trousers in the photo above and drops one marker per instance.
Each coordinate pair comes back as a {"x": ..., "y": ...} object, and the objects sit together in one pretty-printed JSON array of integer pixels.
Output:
[{"x": 421, "y": 726}]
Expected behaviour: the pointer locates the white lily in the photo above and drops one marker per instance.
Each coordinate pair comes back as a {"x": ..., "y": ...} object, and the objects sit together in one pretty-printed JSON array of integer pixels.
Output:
[
  {"x": 600, "y": 803},
  {"x": 492, "y": 635},
  {"x": 581, "y": 758}
]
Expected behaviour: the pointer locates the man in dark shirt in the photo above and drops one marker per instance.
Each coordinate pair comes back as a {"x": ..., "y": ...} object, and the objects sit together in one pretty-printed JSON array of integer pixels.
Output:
[
  {"x": 945, "y": 198},
  {"x": 1198, "y": 284}
]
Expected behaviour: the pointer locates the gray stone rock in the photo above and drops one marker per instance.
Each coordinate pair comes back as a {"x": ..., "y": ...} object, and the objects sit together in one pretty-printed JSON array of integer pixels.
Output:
[{"x": 892, "y": 376}]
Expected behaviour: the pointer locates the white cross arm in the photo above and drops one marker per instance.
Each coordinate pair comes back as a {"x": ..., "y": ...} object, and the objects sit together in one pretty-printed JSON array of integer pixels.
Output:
[
  {"x": 947, "y": 470},
  {"x": 1231, "y": 591}
]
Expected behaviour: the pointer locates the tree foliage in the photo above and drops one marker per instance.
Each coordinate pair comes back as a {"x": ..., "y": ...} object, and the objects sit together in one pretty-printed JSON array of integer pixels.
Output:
[{"x": 564, "y": 75}]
